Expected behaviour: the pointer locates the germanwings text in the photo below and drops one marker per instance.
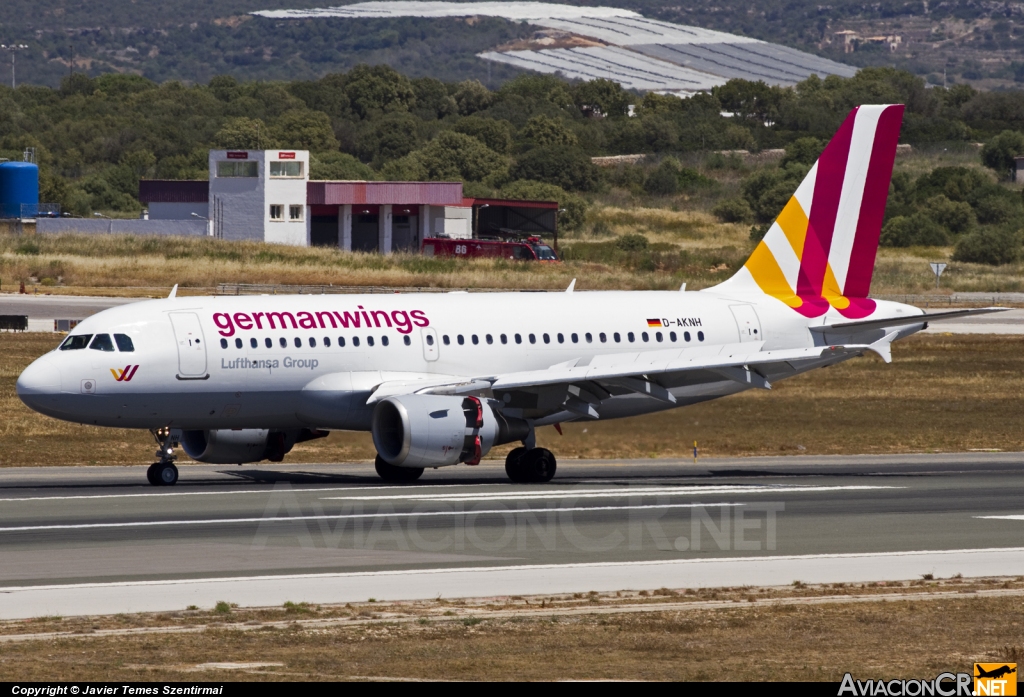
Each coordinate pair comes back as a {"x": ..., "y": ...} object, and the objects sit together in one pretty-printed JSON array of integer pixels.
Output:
[{"x": 401, "y": 320}]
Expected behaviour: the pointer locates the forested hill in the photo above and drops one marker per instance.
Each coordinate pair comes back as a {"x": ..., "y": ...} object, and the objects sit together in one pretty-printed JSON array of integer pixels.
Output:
[{"x": 193, "y": 40}]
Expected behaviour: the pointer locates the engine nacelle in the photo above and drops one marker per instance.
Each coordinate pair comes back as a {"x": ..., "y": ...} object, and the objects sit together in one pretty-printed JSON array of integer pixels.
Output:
[
  {"x": 435, "y": 430},
  {"x": 239, "y": 446}
]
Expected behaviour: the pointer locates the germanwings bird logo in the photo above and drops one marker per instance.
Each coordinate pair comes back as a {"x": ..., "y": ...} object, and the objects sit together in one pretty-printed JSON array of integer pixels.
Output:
[{"x": 124, "y": 374}]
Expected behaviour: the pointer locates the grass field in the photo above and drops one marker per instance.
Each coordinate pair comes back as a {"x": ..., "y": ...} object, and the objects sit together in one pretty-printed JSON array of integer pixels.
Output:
[
  {"x": 923, "y": 628},
  {"x": 941, "y": 393}
]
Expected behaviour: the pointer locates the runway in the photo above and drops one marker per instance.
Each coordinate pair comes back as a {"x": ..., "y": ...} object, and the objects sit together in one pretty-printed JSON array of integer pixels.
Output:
[{"x": 90, "y": 540}]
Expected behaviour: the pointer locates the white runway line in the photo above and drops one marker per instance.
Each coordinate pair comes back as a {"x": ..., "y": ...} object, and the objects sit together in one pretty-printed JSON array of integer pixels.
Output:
[
  {"x": 622, "y": 492},
  {"x": 24, "y": 602},
  {"x": 292, "y": 519},
  {"x": 1000, "y": 517}
]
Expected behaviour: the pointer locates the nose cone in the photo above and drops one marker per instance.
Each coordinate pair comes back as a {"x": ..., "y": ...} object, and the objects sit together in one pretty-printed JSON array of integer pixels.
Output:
[{"x": 39, "y": 381}]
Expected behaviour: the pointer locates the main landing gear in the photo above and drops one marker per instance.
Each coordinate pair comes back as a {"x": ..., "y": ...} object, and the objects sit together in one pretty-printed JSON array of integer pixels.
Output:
[
  {"x": 391, "y": 473},
  {"x": 164, "y": 473},
  {"x": 531, "y": 466}
]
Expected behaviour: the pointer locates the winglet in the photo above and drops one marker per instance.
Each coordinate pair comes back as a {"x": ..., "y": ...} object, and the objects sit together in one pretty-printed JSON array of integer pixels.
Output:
[
  {"x": 174, "y": 291},
  {"x": 571, "y": 286},
  {"x": 682, "y": 288}
]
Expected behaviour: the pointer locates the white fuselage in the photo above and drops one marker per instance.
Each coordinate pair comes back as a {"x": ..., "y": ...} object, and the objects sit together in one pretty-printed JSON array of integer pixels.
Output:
[{"x": 311, "y": 361}]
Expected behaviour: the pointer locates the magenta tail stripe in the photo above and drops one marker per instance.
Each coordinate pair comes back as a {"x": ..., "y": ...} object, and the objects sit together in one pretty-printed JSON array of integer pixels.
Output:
[
  {"x": 828, "y": 188},
  {"x": 872, "y": 206}
]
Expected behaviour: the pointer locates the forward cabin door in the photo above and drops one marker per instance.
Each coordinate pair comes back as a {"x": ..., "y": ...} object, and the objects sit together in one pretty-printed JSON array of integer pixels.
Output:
[
  {"x": 430, "y": 347},
  {"x": 747, "y": 323},
  {"x": 191, "y": 345}
]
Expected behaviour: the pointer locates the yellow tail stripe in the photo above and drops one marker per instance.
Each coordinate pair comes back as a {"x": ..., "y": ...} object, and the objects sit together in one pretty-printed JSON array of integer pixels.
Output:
[
  {"x": 769, "y": 277},
  {"x": 793, "y": 222}
]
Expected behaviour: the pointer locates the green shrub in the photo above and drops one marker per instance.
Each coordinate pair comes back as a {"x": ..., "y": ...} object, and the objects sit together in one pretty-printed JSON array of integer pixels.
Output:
[
  {"x": 995, "y": 209},
  {"x": 909, "y": 231},
  {"x": 572, "y": 207},
  {"x": 664, "y": 180},
  {"x": 632, "y": 243},
  {"x": 956, "y": 216},
  {"x": 733, "y": 210},
  {"x": 988, "y": 246},
  {"x": 803, "y": 150}
]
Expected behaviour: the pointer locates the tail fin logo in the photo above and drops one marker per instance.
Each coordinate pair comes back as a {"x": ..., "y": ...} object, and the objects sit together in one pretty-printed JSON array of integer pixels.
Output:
[
  {"x": 124, "y": 374},
  {"x": 820, "y": 252}
]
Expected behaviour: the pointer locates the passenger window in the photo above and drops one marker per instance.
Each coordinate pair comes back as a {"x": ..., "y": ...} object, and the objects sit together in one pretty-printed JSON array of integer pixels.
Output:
[
  {"x": 446, "y": 340},
  {"x": 533, "y": 338},
  {"x": 686, "y": 336},
  {"x": 223, "y": 343},
  {"x": 283, "y": 342},
  {"x": 460, "y": 339},
  {"x": 407, "y": 340},
  {"x": 102, "y": 342},
  {"x": 575, "y": 338},
  {"x": 547, "y": 339},
  {"x": 355, "y": 341},
  {"x": 476, "y": 340},
  {"x": 298, "y": 342},
  {"x": 269, "y": 342},
  {"x": 603, "y": 337},
  {"x": 519, "y": 338},
  {"x": 644, "y": 336},
  {"x": 504, "y": 339},
  {"x": 238, "y": 343},
  {"x": 253, "y": 343},
  {"x": 561, "y": 338},
  {"x": 369, "y": 341},
  {"x": 658, "y": 336},
  {"x": 631, "y": 337},
  {"x": 589, "y": 337},
  {"x": 384, "y": 341},
  {"x": 73, "y": 343},
  {"x": 672, "y": 336},
  {"x": 341, "y": 342},
  {"x": 124, "y": 343},
  {"x": 489, "y": 339},
  {"x": 700, "y": 336},
  {"x": 617, "y": 337},
  {"x": 327, "y": 342},
  {"x": 312, "y": 342},
  {"x": 430, "y": 340}
]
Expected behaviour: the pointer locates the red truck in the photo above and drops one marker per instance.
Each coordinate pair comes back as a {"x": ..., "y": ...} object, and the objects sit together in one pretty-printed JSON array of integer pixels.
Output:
[{"x": 530, "y": 249}]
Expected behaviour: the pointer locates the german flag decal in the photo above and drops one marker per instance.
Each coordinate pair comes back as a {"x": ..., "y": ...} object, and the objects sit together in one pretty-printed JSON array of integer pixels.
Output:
[{"x": 654, "y": 323}]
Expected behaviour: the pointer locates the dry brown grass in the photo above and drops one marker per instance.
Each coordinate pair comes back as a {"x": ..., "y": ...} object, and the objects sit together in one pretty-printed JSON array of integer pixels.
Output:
[
  {"x": 941, "y": 393},
  {"x": 776, "y": 637}
]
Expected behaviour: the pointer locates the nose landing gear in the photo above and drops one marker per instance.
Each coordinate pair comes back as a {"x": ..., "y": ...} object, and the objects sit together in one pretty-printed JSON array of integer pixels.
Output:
[{"x": 164, "y": 473}]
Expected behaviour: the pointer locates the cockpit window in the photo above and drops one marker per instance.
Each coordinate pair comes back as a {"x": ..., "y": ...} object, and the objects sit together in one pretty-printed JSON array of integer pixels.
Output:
[
  {"x": 124, "y": 343},
  {"x": 102, "y": 342},
  {"x": 75, "y": 342}
]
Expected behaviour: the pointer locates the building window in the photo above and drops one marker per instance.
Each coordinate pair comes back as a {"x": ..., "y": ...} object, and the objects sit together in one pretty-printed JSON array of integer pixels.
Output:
[
  {"x": 276, "y": 211},
  {"x": 235, "y": 168},
  {"x": 286, "y": 169},
  {"x": 295, "y": 213}
]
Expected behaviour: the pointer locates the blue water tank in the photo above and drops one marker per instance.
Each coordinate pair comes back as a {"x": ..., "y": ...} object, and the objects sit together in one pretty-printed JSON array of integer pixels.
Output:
[{"x": 19, "y": 189}]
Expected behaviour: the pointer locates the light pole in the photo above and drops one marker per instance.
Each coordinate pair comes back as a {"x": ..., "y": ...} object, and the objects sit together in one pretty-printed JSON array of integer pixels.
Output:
[
  {"x": 110, "y": 225},
  {"x": 13, "y": 48}
]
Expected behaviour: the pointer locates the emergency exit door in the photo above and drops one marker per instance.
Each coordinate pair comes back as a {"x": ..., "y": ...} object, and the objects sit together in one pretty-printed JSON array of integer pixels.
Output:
[
  {"x": 188, "y": 334},
  {"x": 747, "y": 323}
]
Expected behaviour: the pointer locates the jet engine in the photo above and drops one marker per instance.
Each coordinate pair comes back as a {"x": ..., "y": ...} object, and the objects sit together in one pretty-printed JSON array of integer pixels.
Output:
[
  {"x": 231, "y": 446},
  {"x": 434, "y": 430}
]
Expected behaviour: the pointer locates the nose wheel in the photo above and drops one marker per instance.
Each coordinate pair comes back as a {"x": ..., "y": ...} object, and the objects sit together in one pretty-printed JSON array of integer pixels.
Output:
[{"x": 162, "y": 474}]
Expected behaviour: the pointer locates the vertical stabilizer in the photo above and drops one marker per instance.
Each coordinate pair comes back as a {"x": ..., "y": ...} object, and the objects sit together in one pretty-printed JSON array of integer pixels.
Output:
[{"x": 820, "y": 252}]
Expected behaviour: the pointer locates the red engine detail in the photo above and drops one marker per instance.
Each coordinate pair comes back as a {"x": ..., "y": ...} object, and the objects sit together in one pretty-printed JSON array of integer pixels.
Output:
[{"x": 532, "y": 249}]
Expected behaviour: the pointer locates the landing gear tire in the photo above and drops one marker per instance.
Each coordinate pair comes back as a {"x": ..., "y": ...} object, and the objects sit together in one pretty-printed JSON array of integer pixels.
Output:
[
  {"x": 514, "y": 465},
  {"x": 392, "y": 473},
  {"x": 162, "y": 474},
  {"x": 530, "y": 466}
]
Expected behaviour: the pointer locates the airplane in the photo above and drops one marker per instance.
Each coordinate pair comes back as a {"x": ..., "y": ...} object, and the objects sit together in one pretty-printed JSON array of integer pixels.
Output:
[
  {"x": 994, "y": 673},
  {"x": 440, "y": 379}
]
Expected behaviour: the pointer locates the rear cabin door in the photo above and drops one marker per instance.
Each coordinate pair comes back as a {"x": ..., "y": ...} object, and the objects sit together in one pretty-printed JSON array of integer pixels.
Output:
[
  {"x": 430, "y": 347},
  {"x": 191, "y": 345},
  {"x": 747, "y": 323}
]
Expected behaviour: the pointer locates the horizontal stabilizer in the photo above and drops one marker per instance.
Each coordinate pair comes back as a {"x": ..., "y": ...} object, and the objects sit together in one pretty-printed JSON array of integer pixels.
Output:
[{"x": 866, "y": 325}]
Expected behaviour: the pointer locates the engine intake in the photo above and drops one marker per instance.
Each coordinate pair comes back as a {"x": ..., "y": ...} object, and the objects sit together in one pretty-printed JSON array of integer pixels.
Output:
[
  {"x": 434, "y": 430},
  {"x": 230, "y": 446}
]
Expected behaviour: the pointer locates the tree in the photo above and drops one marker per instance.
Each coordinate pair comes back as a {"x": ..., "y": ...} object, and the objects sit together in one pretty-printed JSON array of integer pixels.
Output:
[
  {"x": 989, "y": 246},
  {"x": 471, "y": 96},
  {"x": 602, "y": 98},
  {"x": 664, "y": 180},
  {"x": 1000, "y": 152},
  {"x": 803, "y": 150},
  {"x": 305, "y": 130},
  {"x": 450, "y": 156},
  {"x": 564, "y": 166},
  {"x": 572, "y": 207},
  {"x": 432, "y": 99},
  {"x": 544, "y": 130},
  {"x": 378, "y": 89},
  {"x": 915, "y": 230},
  {"x": 243, "y": 133},
  {"x": 496, "y": 135},
  {"x": 333, "y": 165}
]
